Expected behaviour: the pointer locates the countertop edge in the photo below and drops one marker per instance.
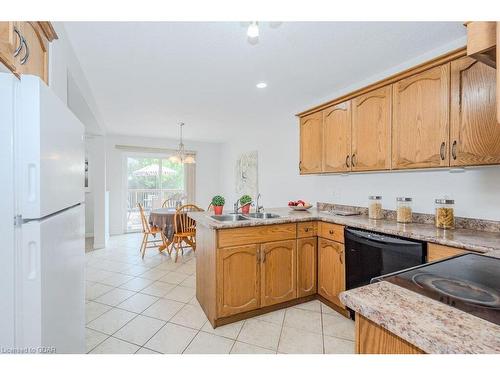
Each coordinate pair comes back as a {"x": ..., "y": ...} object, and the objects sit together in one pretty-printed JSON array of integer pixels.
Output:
[
  {"x": 403, "y": 230},
  {"x": 431, "y": 331}
]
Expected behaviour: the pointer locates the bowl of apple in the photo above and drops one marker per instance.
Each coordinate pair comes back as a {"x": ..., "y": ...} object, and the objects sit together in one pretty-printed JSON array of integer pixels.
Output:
[{"x": 299, "y": 205}]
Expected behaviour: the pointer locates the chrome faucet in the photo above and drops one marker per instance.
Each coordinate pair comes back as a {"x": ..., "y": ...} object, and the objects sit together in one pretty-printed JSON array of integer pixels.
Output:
[
  {"x": 257, "y": 206},
  {"x": 236, "y": 208}
]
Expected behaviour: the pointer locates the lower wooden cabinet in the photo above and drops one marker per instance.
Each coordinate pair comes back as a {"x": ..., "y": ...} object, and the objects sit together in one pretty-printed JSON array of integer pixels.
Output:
[
  {"x": 331, "y": 270},
  {"x": 278, "y": 272},
  {"x": 238, "y": 279},
  {"x": 307, "y": 257},
  {"x": 374, "y": 339},
  {"x": 436, "y": 252}
]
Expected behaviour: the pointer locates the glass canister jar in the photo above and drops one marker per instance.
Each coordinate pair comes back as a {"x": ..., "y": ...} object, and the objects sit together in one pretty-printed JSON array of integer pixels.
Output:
[
  {"x": 404, "y": 210},
  {"x": 375, "y": 207},
  {"x": 445, "y": 213}
]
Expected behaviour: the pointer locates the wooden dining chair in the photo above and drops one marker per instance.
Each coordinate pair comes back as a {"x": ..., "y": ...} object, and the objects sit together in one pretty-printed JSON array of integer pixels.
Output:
[
  {"x": 185, "y": 229},
  {"x": 147, "y": 231},
  {"x": 170, "y": 202}
]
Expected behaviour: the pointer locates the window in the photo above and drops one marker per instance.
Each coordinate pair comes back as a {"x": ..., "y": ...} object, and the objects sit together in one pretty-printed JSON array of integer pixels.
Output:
[{"x": 150, "y": 181}]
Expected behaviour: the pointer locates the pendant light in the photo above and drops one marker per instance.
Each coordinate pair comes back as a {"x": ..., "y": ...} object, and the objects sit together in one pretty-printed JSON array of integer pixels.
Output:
[{"x": 180, "y": 156}]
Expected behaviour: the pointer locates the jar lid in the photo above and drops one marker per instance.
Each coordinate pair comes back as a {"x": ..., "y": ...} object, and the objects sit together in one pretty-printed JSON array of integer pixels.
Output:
[
  {"x": 375, "y": 197},
  {"x": 404, "y": 199},
  {"x": 445, "y": 201}
]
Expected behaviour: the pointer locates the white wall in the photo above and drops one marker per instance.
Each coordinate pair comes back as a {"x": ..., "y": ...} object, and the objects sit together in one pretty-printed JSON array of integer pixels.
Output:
[
  {"x": 208, "y": 182},
  {"x": 277, "y": 140},
  {"x": 68, "y": 81}
]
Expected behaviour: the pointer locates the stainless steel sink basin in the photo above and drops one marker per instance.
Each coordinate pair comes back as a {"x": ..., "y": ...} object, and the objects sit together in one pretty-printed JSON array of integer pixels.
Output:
[
  {"x": 229, "y": 217},
  {"x": 263, "y": 215}
]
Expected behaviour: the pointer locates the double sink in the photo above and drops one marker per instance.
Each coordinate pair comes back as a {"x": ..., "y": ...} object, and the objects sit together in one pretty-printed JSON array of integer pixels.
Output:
[{"x": 240, "y": 217}]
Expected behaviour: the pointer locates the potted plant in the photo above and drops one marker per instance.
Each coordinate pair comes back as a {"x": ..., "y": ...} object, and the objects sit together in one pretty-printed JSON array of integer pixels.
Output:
[
  {"x": 218, "y": 204},
  {"x": 245, "y": 202}
]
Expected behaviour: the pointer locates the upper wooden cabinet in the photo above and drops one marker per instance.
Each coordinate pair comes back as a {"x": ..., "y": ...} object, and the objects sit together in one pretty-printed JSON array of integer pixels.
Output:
[
  {"x": 278, "y": 272},
  {"x": 35, "y": 59},
  {"x": 311, "y": 139},
  {"x": 420, "y": 128},
  {"x": 331, "y": 270},
  {"x": 24, "y": 47},
  {"x": 238, "y": 279},
  {"x": 371, "y": 130},
  {"x": 10, "y": 44},
  {"x": 337, "y": 138},
  {"x": 474, "y": 132},
  {"x": 481, "y": 41}
]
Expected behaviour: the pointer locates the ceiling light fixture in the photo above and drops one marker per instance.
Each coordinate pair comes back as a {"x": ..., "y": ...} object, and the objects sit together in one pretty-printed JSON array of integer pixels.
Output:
[
  {"x": 181, "y": 157},
  {"x": 261, "y": 85},
  {"x": 253, "y": 30}
]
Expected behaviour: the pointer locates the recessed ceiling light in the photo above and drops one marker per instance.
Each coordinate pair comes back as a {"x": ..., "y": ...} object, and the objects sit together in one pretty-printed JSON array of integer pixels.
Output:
[
  {"x": 261, "y": 85},
  {"x": 253, "y": 30}
]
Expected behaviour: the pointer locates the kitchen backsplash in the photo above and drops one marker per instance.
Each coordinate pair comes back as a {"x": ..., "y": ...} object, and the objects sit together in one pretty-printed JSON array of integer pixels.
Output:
[{"x": 460, "y": 222}]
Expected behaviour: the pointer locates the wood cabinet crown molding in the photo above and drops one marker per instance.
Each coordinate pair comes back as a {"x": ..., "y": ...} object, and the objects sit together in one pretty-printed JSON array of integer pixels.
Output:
[{"x": 48, "y": 30}]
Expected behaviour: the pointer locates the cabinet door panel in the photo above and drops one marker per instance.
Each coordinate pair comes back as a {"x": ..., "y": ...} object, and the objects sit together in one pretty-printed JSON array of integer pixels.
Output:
[
  {"x": 474, "y": 132},
  {"x": 337, "y": 138},
  {"x": 306, "y": 266},
  {"x": 36, "y": 54},
  {"x": 371, "y": 130},
  {"x": 331, "y": 270},
  {"x": 311, "y": 139},
  {"x": 237, "y": 279},
  {"x": 278, "y": 272},
  {"x": 9, "y": 42},
  {"x": 420, "y": 128}
]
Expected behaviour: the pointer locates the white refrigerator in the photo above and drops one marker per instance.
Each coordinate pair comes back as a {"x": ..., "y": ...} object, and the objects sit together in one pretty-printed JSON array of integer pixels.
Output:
[{"x": 42, "y": 221}]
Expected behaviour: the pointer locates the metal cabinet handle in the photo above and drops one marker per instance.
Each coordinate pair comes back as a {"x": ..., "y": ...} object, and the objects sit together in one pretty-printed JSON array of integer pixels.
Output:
[
  {"x": 27, "y": 55},
  {"x": 20, "y": 47},
  {"x": 330, "y": 231},
  {"x": 454, "y": 150},
  {"x": 442, "y": 151},
  {"x": 306, "y": 230},
  {"x": 347, "y": 161},
  {"x": 340, "y": 257},
  {"x": 353, "y": 160}
]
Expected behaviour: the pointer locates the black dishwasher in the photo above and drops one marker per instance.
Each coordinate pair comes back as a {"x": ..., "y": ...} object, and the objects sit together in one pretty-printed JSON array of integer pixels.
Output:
[{"x": 370, "y": 254}]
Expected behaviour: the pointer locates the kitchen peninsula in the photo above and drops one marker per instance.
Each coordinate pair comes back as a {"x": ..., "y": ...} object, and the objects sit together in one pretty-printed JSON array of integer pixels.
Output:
[{"x": 253, "y": 266}]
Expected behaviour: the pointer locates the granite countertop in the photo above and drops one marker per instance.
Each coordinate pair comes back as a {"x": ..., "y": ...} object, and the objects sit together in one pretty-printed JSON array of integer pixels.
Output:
[
  {"x": 430, "y": 325},
  {"x": 468, "y": 239}
]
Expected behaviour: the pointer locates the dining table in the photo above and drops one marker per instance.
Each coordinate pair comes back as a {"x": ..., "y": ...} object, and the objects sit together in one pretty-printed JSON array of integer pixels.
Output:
[{"x": 163, "y": 218}]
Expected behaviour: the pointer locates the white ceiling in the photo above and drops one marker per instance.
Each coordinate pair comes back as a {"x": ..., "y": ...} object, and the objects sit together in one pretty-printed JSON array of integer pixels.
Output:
[{"x": 146, "y": 77}]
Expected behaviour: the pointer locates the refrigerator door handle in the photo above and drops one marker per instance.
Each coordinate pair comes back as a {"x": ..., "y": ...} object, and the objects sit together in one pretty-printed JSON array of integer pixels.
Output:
[{"x": 32, "y": 176}]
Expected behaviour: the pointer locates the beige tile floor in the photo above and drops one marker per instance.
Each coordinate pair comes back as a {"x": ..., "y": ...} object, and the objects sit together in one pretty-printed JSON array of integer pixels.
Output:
[{"x": 147, "y": 306}]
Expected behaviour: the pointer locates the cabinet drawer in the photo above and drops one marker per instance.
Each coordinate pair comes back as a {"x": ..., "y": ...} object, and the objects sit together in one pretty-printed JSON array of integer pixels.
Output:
[
  {"x": 332, "y": 232},
  {"x": 255, "y": 235},
  {"x": 436, "y": 252},
  {"x": 309, "y": 229}
]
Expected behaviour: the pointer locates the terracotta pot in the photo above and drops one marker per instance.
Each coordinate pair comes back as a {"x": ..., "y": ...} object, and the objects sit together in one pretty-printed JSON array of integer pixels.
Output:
[
  {"x": 218, "y": 210},
  {"x": 245, "y": 209}
]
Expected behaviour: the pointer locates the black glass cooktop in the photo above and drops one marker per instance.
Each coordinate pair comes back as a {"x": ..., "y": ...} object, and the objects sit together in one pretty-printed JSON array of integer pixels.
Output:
[{"x": 468, "y": 282}]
